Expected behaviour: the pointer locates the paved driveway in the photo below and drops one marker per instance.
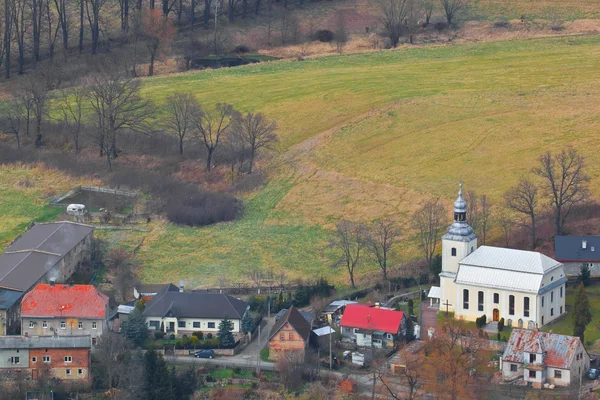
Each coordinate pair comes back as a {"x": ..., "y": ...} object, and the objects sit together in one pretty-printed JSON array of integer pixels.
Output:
[{"x": 428, "y": 318}]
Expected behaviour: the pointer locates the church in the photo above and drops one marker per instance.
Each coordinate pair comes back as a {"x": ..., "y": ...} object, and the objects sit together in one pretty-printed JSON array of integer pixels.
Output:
[{"x": 526, "y": 288}]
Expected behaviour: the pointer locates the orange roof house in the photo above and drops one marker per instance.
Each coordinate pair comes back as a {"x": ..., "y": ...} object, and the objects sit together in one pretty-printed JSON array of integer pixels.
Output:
[{"x": 64, "y": 310}]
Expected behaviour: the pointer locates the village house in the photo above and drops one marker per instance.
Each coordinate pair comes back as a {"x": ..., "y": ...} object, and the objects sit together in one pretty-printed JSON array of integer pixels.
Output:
[
  {"x": 575, "y": 251},
  {"x": 64, "y": 310},
  {"x": 188, "y": 312},
  {"x": 526, "y": 288},
  {"x": 372, "y": 326},
  {"x": 289, "y": 336},
  {"x": 67, "y": 358},
  {"x": 45, "y": 252},
  {"x": 147, "y": 291},
  {"x": 334, "y": 311},
  {"x": 542, "y": 357}
]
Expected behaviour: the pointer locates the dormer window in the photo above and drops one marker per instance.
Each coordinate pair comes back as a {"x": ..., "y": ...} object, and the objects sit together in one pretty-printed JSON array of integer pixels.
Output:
[
  {"x": 532, "y": 358},
  {"x": 584, "y": 244}
]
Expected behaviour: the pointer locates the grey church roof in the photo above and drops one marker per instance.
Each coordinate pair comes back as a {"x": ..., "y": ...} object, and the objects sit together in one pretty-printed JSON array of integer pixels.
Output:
[
  {"x": 460, "y": 230},
  {"x": 573, "y": 249},
  {"x": 195, "y": 305}
]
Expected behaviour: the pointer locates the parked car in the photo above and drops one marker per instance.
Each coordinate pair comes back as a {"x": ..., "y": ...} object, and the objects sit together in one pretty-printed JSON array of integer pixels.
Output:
[
  {"x": 593, "y": 373},
  {"x": 204, "y": 354}
]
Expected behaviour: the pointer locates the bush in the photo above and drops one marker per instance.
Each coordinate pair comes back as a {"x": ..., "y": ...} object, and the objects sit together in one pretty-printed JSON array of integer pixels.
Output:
[
  {"x": 481, "y": 321},
  {"x": 209, "y": 335},
  {"x": 242, "y": 48},
  {"x": 159, "y": 334},
  {"x": 411, "y": 306},
  {"x": 557, "y": 26},
  {"x": 324, "y": 35},
  {"x": 171, "y": 337},
  {"x": 440, "y": 26},
  {"x": 501, "y": 325},
  {"x": 501, "y": 24},
  {"x": 194, "y": 341},
  {"x": 199, "y": 335}
]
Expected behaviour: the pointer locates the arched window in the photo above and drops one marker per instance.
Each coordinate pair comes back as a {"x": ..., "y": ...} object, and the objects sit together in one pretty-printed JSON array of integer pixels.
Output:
[
  {"x": 526, "y": 306},
  {"x": 511, "y": 305},
  {"x": 466, "y": 299},
  {"x": 454, "y": 252},
  {"x": 479, "y": 301}
]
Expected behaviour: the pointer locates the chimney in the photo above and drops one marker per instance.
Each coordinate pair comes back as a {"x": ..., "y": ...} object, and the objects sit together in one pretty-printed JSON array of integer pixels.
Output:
[
  {"x": 52, "y": 282},
  {"x": 584, "y": 244}
]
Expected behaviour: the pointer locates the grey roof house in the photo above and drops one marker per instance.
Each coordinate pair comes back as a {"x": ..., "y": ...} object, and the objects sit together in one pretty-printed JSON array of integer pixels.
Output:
[
  {"x": 45, "y": 252},
  {"x": 152, "y": 289},
  {"x": 573, "y": 251},
  {"x": 186, "y": 312}
]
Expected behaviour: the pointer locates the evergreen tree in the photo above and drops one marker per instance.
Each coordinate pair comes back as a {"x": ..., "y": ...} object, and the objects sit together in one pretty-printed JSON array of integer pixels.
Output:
[
  {"x": 149, "y": 372},
  {"x": 135, "y": 329},
  {"x": 157, "y": 379},
  {"x": 247, "y": 323},
  {"x": 582, "y": 314},
  {"x": 225, "y": 335},
  {"x": 584, "y": 274},
  {"x": 436, "y": 265}
]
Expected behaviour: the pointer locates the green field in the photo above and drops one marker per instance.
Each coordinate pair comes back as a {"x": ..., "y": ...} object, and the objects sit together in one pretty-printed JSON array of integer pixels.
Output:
[{"x": 375, "y": 134}]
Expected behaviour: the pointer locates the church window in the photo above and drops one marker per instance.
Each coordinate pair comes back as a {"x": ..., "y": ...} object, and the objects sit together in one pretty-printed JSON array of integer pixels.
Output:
[
  {"x": 526, "y": 306},
  {"x": 466, "y": 299},
  {"x": 496, "y": 298},
  {"x": 552, "y": 297},
  {"x": 542, "y": 301},
  {"x": 511, "y": 305},
  {"x": 551, "y": 311},
  {"x": 561, "y": 292},
  {"x": 454, "y": 252},
  {"x": 480, "y": 301}
]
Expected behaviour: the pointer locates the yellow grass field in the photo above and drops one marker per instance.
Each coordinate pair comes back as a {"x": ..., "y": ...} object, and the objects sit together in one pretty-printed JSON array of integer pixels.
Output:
[{"x": 371, "y": 135}]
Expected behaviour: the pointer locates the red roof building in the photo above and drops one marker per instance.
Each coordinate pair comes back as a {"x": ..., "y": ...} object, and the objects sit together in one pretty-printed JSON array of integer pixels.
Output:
[
  {"x": 372, "y": 326},
  {"x": 64, "y": 310},
  {"x": 372, "y": 318}
]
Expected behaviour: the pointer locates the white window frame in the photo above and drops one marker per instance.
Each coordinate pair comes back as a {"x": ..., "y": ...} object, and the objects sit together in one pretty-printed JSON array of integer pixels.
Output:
[
  {"x": 94, "y": 325},
  {"x": 44, "y": 324},
  {"x": 31, "y": 324},
  {"x": 34, "y": 359},
  {"x": 15, "y": 360},
  {"x": 46, "y": 359},
  {"x": 68, "y": 359},
  {"x": 80, "y": 325},
  {"x": 63, "y": 325}
]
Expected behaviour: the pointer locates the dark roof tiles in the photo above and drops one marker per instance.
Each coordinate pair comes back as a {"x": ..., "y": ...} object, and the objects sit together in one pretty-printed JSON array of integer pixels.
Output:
[
  {"x": 570, "y": 248},
  {"x": 195, "y": 305},
  {"x": 296, "y": 320}
]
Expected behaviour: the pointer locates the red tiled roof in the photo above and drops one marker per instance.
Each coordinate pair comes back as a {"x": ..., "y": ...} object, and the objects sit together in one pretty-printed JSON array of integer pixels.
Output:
[
  {"x": 371, "y": 318},
  {"x": 59, "y": 300}
]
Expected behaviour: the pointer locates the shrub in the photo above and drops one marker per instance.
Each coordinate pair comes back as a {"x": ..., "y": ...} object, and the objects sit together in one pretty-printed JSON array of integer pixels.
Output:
[
  {"x": 198, "y": 335},
  {"x": 481, "y": 321},
  {"x": 194, "y": 341},
  {"x": 557, "y": 26},
  {"x": 501, "y": 325},
  {"x": 440, "y": 26},
  {"x": 242, "y": 48},
  {"x": 209, "y": 335},
  {"x": 171, "y": 337},
  {"x": 498, "y": 337},
  {"x": 159, "y": 334},
  {"x": 237, "y": 370},
  {"x": 324, "y": 35},
  {"x": 501, "y": 24},
  {"x": 411, "y": 306}
]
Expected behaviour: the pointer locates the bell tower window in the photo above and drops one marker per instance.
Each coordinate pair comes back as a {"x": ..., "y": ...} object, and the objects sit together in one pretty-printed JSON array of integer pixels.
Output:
[{"x": 454, "y": 252}]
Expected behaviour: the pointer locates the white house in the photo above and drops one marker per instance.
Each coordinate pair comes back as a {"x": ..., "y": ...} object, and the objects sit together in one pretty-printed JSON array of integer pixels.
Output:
[
  {"x": 525, "y": 288},
  {"x": 542, "y": 357},
  {"x": 188, "y": 312}
]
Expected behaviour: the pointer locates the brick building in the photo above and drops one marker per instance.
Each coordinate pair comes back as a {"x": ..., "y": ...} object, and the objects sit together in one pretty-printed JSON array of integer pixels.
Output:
[
  {"x": 46, "y": 252},
  {"x": 64, "y": 310},
  {"x": 289, "y": 335},
  {"x": 67, "y": 358}
]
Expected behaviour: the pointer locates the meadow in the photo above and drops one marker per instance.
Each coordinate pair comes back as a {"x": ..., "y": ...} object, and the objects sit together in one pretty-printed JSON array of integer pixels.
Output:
[{"x": 370, "y": 135}]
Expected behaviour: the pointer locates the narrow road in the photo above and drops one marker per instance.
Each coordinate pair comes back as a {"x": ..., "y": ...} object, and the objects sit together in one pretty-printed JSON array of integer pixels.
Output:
[{"x": 223, "y": 362}]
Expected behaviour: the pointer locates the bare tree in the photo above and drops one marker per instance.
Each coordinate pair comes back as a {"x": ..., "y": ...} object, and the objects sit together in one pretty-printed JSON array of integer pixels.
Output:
[
  {"x": 256, "y": 131},
  {"x": 281, "y": 278},
  {"x": 182, "y": 109},
  {"x": 409, "y": 377},
  {"x": 392, "y": 14},
  {"x": 22, "y": 108},
  {"x": 14, "y": 117},
  {"x": 565, "y": 181},
  {"x": 382, "y": 237},
  {"x": 473, "y": 210},
  {"x": 93, "y": 9},
  {"x": 256, "y": 276},
  {"x": 349, "y": 240},
  {"x": 121, "y": 264},
  {"x": 341, "y": 31},
  {"x": 505, "y": 221},
  {"x": 454, "y": 8},
  {"x": 211, "y": 125},
  {"x": 523, "y": 199},
  {"x": 192, "y": 50},
  {"x": 70, "y": 105},
  {"x": 428, "y": 7},
  {"x": 159, "y": 33},
  {"x": 429, "y": 221},
  {"x": 485, "y": 220},
  {"x": 117, "y": 105},
  {"x": 8, "y": 25}
]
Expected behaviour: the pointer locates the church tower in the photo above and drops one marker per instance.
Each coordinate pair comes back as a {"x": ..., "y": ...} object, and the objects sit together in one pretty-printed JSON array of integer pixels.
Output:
[{"x": 458, "y": 242}]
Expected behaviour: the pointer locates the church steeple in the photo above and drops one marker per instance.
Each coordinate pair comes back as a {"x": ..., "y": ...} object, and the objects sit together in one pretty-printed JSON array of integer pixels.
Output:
[
  {"x": 460, "y": 207},
  {"x": 460, "y": 229}
]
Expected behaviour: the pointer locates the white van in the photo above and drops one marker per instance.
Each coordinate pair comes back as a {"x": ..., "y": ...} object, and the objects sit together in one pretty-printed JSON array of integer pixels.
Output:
[{"x": 76, "y": 209}]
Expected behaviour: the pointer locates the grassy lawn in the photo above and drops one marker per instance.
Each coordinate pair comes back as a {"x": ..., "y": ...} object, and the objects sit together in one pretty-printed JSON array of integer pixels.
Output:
[
  {"x": 365, "y": 136},
  {"x": 228, "y": 373},
  {"x": 565, "y": 324}
]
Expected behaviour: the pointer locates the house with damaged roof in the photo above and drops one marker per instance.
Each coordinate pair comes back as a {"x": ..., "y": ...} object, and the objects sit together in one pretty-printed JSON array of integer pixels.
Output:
[
  {"x": 543, "y": 357},
  {"x": 187, "y": 312},
  {"x": 48, "y": 252}
]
